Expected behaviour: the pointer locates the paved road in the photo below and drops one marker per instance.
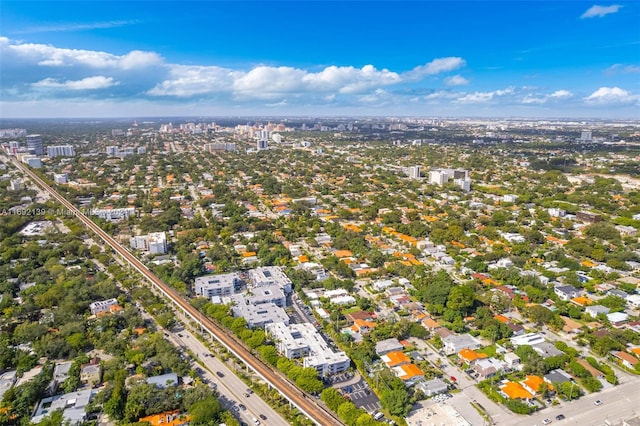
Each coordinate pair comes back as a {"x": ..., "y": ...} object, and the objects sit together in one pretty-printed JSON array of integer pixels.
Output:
[
  {"x": 229, "y": 386},
  {"x": 619, "y": 402}
]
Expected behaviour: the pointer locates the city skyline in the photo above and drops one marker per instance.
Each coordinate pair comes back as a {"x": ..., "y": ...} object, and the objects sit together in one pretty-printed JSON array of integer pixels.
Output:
[{"x": 475, "y": 58}]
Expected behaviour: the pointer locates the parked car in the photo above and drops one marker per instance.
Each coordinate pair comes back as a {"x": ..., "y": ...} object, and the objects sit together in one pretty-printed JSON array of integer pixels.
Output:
[
  {"x": 597, "y": 402},
  {"x": 219, "y": 373},
  {"x": 263, "y": 417},
  {"x": 546, "y": 421},
  {"x": 560, "y": 417}
]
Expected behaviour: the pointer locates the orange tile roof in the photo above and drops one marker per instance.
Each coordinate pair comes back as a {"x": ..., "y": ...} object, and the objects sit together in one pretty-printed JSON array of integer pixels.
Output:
[
  {"x": 501, "y": 318},
  {"x": 343, "y": 253},
  {"x": 168, "y": 418},
  {"x": 364, "y": 324},
  {"x": 515, "y": 391},
  {"x": 582, "y": 300},
  {"x": 395, "y": 358},
  {"x": 410, "y": 371},
  {"x": 430, "y": 323},
  {"x": 469, "y": 355},
  {"x": 534, "y": 382}
]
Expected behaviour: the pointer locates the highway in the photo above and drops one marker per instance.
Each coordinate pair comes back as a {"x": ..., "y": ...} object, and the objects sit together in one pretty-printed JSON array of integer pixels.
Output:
[{"x": 304, "y": 402}]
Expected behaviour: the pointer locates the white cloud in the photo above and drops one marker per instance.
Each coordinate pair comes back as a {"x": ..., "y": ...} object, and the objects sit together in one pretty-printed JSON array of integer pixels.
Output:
[
  {"x": 74, "y": 27},
  {"x": 456, "y": 80},
  {"x": 89, "y": 83},
  {"x": 543, "y": 99},
  {"x": 600, "y": 11},
  {"x": 46, "y": 55},
  {"x": 559, "y": 94},
  {"x": 484, "y": 97},
  {"x": 611, "y": 95},
  {"x": 623, "y": 69},
  {"x": 190, "y": 81},
  {"x": 437, "y": 66},
  {"x": 264, "y": 82}
]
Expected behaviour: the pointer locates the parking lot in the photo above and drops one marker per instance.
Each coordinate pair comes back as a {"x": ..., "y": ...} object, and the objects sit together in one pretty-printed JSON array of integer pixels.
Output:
[{"x": 361, "y": 395}]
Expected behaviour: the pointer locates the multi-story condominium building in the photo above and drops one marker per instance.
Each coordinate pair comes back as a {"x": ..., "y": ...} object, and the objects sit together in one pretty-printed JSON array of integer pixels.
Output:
[
  {"x": 154, "y": 243},
  {"x": 459, "y": 176},
  {"x": 217, "y": 285},
  {"x": 303, "y": 340},
  {"x": 269, "y": 275},
  {"x": 114, "y": 214},
  {"x": 113, "y": 151},
  {"x": 260, "y": 315},
  {"x": 60, "y": 151}
]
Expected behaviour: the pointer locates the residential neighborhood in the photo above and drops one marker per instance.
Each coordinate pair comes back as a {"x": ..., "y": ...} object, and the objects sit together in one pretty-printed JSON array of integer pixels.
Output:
[{"x": 384, "y": 269}]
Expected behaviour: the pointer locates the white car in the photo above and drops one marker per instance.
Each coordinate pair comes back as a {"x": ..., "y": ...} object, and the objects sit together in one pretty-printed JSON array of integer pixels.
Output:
[
  {"x": 546, "y": 421},
  {"x": 597, "y": 402}
]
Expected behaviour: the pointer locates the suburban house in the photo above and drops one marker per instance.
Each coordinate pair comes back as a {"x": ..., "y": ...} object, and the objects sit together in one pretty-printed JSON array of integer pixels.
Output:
[
  {"x": 457, "y": 342},
  {"x": 625, "y": 359},
  {"x": 566, "y": 292}
]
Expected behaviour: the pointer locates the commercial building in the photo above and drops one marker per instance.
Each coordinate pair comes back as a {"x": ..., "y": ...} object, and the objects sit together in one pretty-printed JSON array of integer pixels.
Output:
[
  {"x": 217, "y": 285},
  {"x": 34, "y": 144},
  {"x": 303, "y": 340}
]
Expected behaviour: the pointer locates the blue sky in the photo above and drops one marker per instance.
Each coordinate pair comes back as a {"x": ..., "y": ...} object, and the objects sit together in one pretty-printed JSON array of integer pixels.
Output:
[{"x": 419, "y": 58}]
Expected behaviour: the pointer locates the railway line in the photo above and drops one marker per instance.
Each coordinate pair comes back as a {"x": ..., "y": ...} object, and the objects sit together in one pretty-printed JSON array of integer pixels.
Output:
[{"x": 304, "y": 402}]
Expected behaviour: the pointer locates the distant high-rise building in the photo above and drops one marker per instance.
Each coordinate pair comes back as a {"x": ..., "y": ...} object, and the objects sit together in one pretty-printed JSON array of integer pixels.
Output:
[
  {"x": 276, "y": 137},
  {"x": 60, "y": 151},
  {"x": 34, "y": 144},
  {"x": 414, "y": 172},
  {"x": 113, "y": 151},
  {"x": 586, "y": 136},
  {"x": 460, "y": 177},
  {"x": 13, "y": 147},
  {"x": 262, "y": 144}
]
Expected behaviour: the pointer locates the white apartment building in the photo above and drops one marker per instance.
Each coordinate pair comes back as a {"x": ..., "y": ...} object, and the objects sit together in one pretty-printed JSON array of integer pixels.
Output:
[
  {"x": 60, "y": 178},
  {"x": 303, "y": 340},
  {"x": 60, "y": 151},
  {"x": 217, "y": 285},
  {"x": 267, "y": 276},
  {"x": 266, "y": 294},
  {"x": 114, "y": 214},
  {"x": 413, "y": 172},
  {"x": 113, "y": 151},
  {"x": 460, "y": 177},
  {"x": 260, "y": 315},
  {"x": 154, "y": 243}
]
